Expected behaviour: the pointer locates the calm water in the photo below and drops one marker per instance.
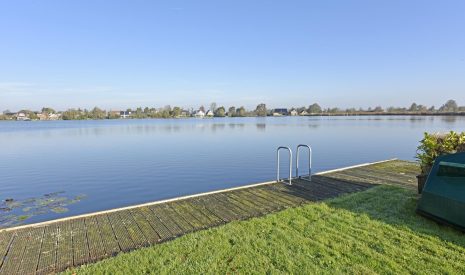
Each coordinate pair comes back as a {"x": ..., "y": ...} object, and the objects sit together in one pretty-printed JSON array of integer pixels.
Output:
[{"x": 123, "y": 162}]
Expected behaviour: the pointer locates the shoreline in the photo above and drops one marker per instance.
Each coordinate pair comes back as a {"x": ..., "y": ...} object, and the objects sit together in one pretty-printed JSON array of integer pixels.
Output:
[{"x": 309, "y": 115}]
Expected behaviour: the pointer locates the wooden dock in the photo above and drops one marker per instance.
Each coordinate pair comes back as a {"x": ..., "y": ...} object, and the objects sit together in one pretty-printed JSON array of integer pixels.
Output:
[{"x": 57, "y": 245}]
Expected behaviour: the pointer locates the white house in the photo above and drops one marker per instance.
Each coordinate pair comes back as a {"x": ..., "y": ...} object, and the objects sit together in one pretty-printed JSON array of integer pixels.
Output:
[
  {"x": 304, "y": 113},
  {"x": 21, "y": 116},
  {"x": 210, "y": 113},
  {"x": 54, "y": 116},
  {"x": 125, "y": 114},
  {"x": 294, "y": 113},
  {"x": 199, "y": 114}
]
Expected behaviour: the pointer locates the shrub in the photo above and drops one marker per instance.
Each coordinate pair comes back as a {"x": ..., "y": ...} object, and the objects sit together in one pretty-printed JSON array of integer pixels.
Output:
[{"x": 434, "y": 145}]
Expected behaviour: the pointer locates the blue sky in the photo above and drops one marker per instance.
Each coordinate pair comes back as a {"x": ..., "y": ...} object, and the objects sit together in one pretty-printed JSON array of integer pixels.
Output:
[{"x": 118, "y": 54}]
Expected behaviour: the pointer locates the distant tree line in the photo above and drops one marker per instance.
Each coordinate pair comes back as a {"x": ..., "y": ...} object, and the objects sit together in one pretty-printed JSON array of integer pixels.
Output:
[{"x": 450, "y": 107}]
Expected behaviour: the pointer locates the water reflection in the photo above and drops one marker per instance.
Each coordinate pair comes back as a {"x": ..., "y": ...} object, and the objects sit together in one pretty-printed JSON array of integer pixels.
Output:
[{"x": 261, "y": 126}]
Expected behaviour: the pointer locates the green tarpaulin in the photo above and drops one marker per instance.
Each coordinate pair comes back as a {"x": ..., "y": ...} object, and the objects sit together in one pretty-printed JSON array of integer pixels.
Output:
[{"x": 443, "y": 197}]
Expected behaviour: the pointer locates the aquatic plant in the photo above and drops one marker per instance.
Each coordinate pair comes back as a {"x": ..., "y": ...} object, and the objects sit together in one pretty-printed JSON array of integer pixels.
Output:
[{"x": 14, "y": 212}]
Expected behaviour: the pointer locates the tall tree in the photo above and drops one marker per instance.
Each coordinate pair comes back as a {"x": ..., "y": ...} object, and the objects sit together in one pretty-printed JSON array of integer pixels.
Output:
[
  {"x": 314, "y": 108},
  {"x": 378, "y": 109},
  {"x": 213, "y": 106},
  {"x": 48, "y": 110},
  {"x": 220, "y": 112},
  {"x": 413, "y": 107},
  {"x": 240, "y": 112},
  {"x": 97, "y": 113},
  {"x": 449, "y": 106},
  {"x": 232, "y": 111},
  {"x": 176, "y": 111},
  {"x": 261, "y": 109}
]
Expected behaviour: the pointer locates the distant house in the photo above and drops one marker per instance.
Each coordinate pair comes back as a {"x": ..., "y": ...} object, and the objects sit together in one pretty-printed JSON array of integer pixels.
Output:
[
  {"x": 303, "y": 113},
  {"x": 294, "y": 113},
  {"x": 280, "y": 112},
  {"x": 125, "y": 114},
  {"x": 42, "y": 116},
  {"x": 54, "y": 116},
  {"x": 184, "y": 113},
  {"x": 22, "y": 117},
  {"x": 210, "y": 113},
  {"x": 199, "y": 114}
]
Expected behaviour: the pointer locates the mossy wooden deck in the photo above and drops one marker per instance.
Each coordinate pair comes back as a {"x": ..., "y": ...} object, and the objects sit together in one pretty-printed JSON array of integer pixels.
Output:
[{"x": 54, "y": 246}]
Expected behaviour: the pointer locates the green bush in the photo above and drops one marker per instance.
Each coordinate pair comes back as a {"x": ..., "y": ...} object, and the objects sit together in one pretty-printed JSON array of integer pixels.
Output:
[{"x": 434, "y": 145}]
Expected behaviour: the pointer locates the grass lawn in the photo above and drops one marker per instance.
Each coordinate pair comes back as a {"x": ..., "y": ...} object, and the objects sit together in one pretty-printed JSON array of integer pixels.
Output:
[{"x": 376, "y": 231}]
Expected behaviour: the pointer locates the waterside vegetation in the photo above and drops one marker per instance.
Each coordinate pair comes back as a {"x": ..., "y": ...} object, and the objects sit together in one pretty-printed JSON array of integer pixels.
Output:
[
  {"x": 434, "y": 145},
  {"x": 449, "y": 108}
]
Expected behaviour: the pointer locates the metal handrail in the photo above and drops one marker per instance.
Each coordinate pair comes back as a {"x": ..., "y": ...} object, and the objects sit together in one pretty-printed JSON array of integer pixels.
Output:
[
  {"x": 309, "y": 162},
  {"x": 290, "y": 163}
]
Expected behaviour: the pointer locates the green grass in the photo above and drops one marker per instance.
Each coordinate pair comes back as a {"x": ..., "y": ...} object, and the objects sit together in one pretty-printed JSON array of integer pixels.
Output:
[{"x": 376, "y": 231}]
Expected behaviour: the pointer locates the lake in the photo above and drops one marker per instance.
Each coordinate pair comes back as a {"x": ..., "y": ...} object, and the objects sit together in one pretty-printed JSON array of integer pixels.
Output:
[{"x": 53, "y": 169}]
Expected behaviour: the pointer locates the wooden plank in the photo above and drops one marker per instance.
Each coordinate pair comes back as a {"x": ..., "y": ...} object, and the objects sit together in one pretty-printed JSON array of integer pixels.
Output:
[
  {"x": 174, "y": 229},
  {"x": 110, "y": 242},
  {"x": 5, "y": 241},
  {"x": 270, "y": 195},
  {"x": 399, "y": 166},
  {"x": 292, "y": 190},
  {"x": 206, "y": 219},
  {"x": 149, "y": 232},
  {"x": 166, "y": 210},
  {"x": 341, "y": 186},
  {"x": 185, "y": 210},
  {"x": 377, "y": 178},
  {"x": 94, "y": 240},
  {"x": 15, "y": 253},
  {"x": 320, "y": 191},
  {"x": 124, "y": 240},
  {"x": 133, "y": 229},
  {"x": 48, "y": 252},
  {"x": 206, "y": 212},
  {"x": 216, "y": 208},
  {"x": 236, "y": 210},
  {"x": 390, "y": 173},
  {"x": 65, "y": 246},
  {"x": 253, "y": 209},
  {"x": 245, "y": 203},
  {"x": 280, "y": 193},
  {"x": 80, "y": 245},
  {"x": 240, "y": 207},
  {"x": 342, "y": 180},
  {"x": 268, "y": 205},
  {"x": 31, "y": 254},
  {"x": 285, "y": 190},
  {"x": 156, "y": 224},
  {"x": 399, "y": 179}
]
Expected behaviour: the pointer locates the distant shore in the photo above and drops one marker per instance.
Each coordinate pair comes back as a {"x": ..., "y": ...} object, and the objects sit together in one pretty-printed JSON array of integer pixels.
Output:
[{"x": 361, "y": 114}]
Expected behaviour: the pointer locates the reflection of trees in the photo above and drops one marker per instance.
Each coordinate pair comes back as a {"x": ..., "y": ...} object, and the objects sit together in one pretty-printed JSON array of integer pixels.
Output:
[
  {"x": 218, "y": 126},
  {"x": 313, "y": 126},
  {"x": 449, "y": 119},
  {"x": 261, "y": 126},
  {"x": 234, "y": 125}
]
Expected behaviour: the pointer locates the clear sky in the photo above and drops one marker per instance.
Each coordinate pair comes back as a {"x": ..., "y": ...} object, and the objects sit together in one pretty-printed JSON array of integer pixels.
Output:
[{"x": 118, "y": 54}]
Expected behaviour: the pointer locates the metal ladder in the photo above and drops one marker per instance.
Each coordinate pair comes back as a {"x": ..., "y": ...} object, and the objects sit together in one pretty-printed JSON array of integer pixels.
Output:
[
  {"x": 303, "y": 177},
  {"x": 309, "y": 176}
]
